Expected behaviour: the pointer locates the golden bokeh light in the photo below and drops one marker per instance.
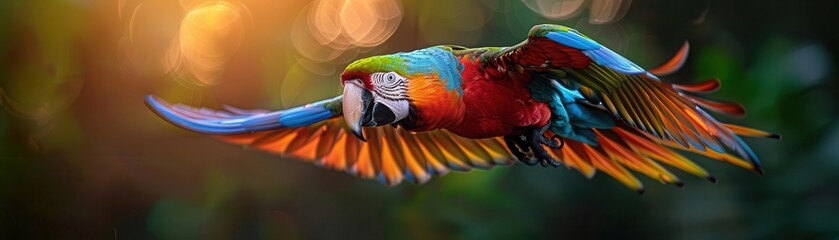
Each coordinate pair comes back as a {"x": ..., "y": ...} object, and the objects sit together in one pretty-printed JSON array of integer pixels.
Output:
[
  {"x": 209, "y": 35},
  {"x": 314, "y": 43},
  {"x": 328, "y": 30},
  {"x": 562, "y": 9},
  {"x": 370, "y": 23},
  {"x": 601, "y": 11},
  {"x": 325, "y": 21}
]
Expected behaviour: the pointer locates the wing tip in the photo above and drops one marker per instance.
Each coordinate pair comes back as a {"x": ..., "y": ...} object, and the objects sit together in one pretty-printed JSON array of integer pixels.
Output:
[
  {"x": 708, "y": 86},
  {"x": 758, "y": 169},
  {"x": 159, "y": 107},
  {"x": 152, "y": 102},
  {"x": 711, "y": 179},
  {"x": 165, "y": 111},
  {"x": 756, "y": 165},
  {"x": 675, "y": 63}
]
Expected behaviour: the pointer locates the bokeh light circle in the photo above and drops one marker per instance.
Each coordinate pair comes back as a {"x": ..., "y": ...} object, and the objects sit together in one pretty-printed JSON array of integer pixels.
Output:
[
  {"x": 554, "y": 9},
  {"x": 209, "y": 35},
  {"x": 329, "y": 29}
]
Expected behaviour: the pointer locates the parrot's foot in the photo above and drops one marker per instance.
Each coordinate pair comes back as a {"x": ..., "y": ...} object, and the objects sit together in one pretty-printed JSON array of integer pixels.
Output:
[{"x": 534, "y": 142}]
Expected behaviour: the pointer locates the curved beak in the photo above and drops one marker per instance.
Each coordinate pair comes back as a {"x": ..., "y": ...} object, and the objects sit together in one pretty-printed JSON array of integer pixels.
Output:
[
  {"x": 355, "y": 103},
  {"x": 362, "y": 110}
]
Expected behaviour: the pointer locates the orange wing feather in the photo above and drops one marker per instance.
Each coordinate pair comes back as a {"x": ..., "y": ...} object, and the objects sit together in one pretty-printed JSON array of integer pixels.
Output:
[{"x": 391, "y": 155}]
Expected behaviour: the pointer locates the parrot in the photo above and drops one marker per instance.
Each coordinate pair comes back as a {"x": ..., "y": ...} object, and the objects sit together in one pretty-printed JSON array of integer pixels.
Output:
[{"x": 558, "y": 98}]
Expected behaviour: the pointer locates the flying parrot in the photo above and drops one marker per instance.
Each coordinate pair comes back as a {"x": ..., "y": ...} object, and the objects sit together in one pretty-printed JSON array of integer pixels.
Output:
[{"x": 558, "y": 98}]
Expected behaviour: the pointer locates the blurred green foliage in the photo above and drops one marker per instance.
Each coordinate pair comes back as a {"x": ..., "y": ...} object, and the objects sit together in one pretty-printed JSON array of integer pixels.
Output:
[{"x": 81, "y": 157}]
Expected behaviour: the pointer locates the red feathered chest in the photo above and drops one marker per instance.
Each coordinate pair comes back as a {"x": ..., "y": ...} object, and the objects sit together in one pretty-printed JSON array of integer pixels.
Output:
[{"x": 497, "y": 102}]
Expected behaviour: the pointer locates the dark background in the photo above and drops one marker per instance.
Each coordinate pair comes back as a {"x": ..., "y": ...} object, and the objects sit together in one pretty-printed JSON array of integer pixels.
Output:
[{"x": 81, "y": 156}]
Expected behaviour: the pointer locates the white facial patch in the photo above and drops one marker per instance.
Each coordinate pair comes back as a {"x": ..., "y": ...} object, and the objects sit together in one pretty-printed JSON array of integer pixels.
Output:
[
  {"x": 391, "y": 90},
  {"x": 399, "y": 107}
]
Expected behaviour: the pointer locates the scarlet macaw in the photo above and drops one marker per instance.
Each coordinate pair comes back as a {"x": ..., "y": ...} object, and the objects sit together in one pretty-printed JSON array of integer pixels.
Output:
[{"x": 558, "y": 98}]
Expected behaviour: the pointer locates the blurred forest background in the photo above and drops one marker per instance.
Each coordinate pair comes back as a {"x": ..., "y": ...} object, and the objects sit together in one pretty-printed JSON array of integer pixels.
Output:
[{"x": 82, "y": 157}]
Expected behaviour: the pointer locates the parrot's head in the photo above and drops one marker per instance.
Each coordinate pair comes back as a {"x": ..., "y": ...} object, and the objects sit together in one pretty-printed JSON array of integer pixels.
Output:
[{"x": 387, "y": 89}]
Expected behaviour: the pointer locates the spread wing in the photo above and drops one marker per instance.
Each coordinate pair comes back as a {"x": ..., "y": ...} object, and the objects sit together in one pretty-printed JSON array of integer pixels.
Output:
[
  {"x": 663, "y": 111},
  {"x": 316, "y": 133}
]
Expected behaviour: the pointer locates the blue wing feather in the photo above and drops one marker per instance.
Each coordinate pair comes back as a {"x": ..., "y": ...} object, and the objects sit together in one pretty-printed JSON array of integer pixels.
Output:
[
  {"x": 574, "y": 40},
  {"x": 599, "y": 53},
  {"x": 570, "y": 119},
  {"x": 241, "y": 121}
]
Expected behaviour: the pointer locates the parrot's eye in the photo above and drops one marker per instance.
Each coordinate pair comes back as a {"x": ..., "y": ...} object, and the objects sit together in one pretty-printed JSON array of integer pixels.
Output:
[{"x": 389, "y": 79}]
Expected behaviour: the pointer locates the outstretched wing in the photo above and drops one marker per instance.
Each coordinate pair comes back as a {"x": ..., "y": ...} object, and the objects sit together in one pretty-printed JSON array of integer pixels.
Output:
[
  {"x": 315, "y": 133},
  {"x": 658, "y": 109}
]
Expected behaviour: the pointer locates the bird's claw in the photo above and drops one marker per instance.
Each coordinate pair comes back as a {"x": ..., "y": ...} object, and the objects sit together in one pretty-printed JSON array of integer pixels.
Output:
[
  {"x": 554, "y": 140},
  {"x": 518, "y": 147},
  {"x": 535, "y": 142}
]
